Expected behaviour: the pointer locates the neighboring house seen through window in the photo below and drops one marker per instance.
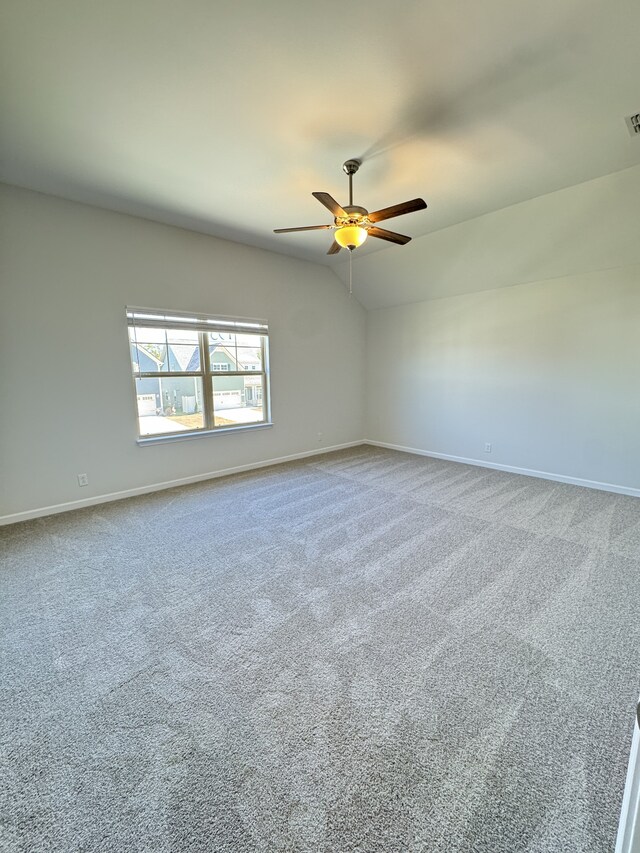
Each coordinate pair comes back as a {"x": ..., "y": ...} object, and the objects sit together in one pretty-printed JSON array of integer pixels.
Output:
[{"x": 177, "y": 360}]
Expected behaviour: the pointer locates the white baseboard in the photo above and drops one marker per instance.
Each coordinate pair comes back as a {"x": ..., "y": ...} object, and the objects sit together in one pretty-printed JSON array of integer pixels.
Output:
[
  {"x": 168, "y": 484},
  {"x": 543, "y": 475},
  {"x": 211, "y": 475}
]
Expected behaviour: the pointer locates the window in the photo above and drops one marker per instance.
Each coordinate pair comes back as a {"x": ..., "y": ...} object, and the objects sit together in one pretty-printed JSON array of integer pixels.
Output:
[{"x": 177, "y": 361}]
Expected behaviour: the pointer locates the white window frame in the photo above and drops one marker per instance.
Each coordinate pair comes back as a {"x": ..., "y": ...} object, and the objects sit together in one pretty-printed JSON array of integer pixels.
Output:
[{"x": 203, "y": 324}]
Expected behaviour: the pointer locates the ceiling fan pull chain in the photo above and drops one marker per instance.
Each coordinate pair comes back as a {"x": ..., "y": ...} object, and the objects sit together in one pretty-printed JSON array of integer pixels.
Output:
[{"x": 350, "y": 273}]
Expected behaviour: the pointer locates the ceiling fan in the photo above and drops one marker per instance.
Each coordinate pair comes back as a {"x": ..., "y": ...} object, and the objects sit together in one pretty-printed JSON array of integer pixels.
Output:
[{"x": 352, "y": 224}]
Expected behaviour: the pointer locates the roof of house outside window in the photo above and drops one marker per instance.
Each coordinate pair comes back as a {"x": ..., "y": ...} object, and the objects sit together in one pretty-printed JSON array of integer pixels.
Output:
[{"x": 185, "y": 358}]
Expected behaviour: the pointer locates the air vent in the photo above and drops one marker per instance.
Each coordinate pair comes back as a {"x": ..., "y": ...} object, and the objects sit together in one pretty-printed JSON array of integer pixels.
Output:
[{"x": 633, "y": 123}]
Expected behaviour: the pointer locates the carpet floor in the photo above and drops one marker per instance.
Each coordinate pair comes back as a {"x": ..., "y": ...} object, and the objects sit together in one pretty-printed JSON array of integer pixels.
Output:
[{"x": 362, "y": 651}]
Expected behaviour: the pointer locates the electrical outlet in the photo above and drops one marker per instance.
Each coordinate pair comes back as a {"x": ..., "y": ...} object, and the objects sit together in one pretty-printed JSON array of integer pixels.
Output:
[
  {"x": 487, "y": 447},
  {"x": 319, "y": 438},
  {"x": 83, "y": 479}
]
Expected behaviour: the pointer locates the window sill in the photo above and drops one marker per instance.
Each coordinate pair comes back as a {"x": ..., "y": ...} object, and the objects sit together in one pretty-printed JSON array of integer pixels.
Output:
[{"x": 187, "y": 436}]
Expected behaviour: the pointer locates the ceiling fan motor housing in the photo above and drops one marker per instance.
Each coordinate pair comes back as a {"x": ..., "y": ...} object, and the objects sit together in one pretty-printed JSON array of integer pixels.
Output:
[
  {"x": 356, "y": 214},
  {"x": 355, "y": 209}
]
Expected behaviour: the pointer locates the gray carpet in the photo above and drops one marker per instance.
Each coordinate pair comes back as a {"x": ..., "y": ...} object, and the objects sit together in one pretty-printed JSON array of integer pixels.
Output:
[{"x": 366, "y": 651}]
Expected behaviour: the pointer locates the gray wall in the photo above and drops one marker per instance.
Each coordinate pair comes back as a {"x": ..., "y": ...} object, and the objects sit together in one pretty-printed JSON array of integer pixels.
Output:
[
  {"x": 67, "y": 272},
  {"x": 547, "y": 371}
]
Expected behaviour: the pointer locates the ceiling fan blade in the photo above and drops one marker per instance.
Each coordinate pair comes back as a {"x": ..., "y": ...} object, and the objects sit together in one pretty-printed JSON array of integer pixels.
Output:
[
  {"x": 330, "y": 203},
  {"x": 397, "y": 210},
  {"x": 334, "y": 248},
  {"x": 391, "y": 236},
  {"x": 304, "y": 228}
]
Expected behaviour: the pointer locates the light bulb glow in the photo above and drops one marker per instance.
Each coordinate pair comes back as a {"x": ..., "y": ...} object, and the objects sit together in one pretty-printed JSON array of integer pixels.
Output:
[{"x": 350, "y": 236}]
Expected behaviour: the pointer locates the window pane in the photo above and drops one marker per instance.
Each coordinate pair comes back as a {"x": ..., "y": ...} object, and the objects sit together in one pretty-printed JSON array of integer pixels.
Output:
[
  {"x": 183, "y": 350},
  {"x": 184, "y": 358},
  {"x": 224, "y": 338},
  {"x": 182, "y": 336},
  {"x": 249, "y": 358},
  {"x": 253, "y": 341},
  {"x": 168, "y": 404},
  {"x": 238, "y": 400},
  {"x": 222, "y": 352},
  {"x": 164, "y": 351},
  {"x": 150, "y": 348}
]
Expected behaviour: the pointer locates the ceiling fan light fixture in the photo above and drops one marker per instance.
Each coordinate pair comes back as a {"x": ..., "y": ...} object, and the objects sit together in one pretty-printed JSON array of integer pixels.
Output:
[{"x": 350, "y": 236}]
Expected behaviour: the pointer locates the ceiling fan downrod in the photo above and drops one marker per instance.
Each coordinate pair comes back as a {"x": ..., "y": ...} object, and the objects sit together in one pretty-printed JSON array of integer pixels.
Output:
[{"x": 351, "y": 167}]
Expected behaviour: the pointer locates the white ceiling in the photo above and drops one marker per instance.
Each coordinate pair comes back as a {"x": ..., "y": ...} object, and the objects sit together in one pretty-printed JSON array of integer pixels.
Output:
[{"x": 224, "y": 116}]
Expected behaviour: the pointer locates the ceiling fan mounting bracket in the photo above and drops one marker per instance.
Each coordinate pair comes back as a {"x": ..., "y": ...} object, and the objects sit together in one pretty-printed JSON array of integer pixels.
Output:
[{"x": 351, "y": 166}]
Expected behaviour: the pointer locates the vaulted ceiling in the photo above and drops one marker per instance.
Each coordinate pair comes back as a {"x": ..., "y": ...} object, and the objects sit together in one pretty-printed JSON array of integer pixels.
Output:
[{"x": 223, "y": 116}]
